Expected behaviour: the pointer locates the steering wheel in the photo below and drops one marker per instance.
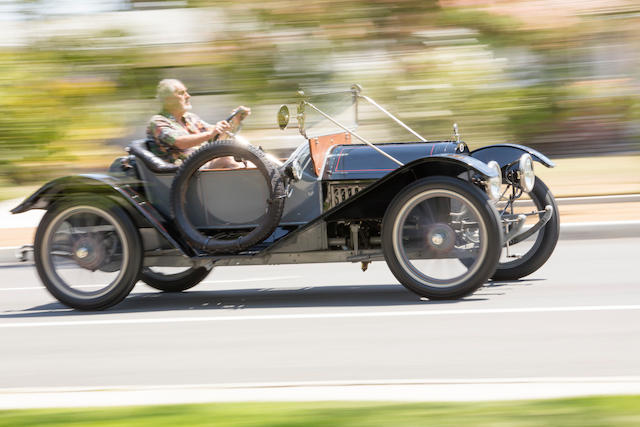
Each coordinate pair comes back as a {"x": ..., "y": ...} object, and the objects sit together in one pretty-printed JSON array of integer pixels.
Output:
[{"x": 228, "y": 120}]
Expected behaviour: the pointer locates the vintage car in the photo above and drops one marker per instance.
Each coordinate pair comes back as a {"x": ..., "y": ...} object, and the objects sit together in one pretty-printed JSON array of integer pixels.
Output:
[{"x": 445, "y": 219}]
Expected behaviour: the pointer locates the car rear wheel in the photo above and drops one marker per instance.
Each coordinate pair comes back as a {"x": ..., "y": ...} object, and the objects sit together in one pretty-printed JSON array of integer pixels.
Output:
[
  {"x": 171, "y": 281},
  {"x": 430, "y": 227},
  {"x": 88, "y": 253}
]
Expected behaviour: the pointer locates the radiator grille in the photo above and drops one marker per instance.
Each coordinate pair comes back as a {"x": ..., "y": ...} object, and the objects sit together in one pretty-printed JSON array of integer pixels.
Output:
[{"x": 338, "y": 193}]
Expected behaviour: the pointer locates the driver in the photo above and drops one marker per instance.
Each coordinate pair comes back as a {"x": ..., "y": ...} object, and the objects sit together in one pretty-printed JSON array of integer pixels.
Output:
[{"x": 176, "y": 132}]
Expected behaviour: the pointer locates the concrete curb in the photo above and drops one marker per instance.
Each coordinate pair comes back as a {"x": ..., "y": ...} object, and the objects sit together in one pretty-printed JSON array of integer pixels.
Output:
[
  {"x": 10, "y": 255},
  {"x": 570, "y": 231},
  {"x": 404, "y": 391},
  {"x": 599, "y": 230}
]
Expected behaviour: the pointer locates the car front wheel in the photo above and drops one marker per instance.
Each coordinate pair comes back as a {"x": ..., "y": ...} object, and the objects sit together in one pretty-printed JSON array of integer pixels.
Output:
[{"x": 430, "y": 227}]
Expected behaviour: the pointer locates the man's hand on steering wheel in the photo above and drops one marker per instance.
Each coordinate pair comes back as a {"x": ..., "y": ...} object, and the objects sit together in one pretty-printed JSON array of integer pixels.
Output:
[
  {"x": 237, "y": 116},
  {"x": 220, "y": 128}
]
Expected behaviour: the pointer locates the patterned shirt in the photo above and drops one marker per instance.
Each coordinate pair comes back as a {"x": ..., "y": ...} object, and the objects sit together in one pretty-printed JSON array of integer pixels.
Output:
[{"x": 163, "y": 129}]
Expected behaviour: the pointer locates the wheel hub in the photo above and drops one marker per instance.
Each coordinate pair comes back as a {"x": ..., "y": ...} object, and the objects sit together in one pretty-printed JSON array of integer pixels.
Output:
[
  {"x": 82, "y": 252},
  {"x": 441, "y": 237},
  {"x": 437, "y": 239},
  {"x": 89, "y": 252}
]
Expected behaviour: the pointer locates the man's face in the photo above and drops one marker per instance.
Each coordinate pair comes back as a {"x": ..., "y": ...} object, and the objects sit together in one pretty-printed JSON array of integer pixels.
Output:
[{"x": 179, "y": 99}]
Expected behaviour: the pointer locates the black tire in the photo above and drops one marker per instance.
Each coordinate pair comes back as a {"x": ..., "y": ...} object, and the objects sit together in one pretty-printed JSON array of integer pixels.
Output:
[
  {"x": 177, "y": 282},
  {"x": 268, "y": 222},
  {"x": 82, "y": 242},
  {"x": 545, "y": 241},
  {"x": 440, "y": 220}
]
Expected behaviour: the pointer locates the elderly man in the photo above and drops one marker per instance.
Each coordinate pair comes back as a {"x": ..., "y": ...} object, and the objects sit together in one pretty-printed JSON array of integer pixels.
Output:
[{"x": 175, "y": 132}]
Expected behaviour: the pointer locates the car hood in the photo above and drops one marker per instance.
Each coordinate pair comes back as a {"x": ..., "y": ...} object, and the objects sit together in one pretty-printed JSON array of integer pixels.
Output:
[{"x": 355, "y": 161}]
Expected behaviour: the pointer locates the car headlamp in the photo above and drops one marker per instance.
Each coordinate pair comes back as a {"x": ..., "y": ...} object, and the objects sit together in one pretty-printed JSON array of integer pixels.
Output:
[
  {"x": 494, "y": 183},
  {"x": 294, "y": 170},
  {"x": 526, "y": 175}
]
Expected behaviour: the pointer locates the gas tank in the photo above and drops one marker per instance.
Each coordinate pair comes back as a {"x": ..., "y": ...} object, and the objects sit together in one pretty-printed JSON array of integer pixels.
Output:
[{"x": 355, "y": 161}]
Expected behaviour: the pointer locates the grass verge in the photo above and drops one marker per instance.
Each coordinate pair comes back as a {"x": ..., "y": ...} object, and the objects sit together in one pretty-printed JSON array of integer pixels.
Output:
[
  {"x": 592, "y": 176},
  {"x": 591, "y": 411}
]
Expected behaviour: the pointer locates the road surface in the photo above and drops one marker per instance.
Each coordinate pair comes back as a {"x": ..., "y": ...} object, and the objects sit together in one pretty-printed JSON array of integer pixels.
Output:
[{"x": 577, "y": 318}]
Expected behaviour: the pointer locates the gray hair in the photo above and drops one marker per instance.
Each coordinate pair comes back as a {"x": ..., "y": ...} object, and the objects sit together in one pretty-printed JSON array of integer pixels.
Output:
[{"x": 165, "y": 88}]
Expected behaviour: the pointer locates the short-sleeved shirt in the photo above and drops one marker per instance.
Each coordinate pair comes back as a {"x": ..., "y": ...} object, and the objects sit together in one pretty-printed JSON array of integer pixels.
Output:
[{"x": 163, "y": 129}]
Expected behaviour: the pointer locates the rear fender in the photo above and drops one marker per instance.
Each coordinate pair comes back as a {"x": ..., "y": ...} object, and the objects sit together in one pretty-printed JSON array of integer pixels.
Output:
[
  {"x": 59, "y": 188},
  {"x": 506, "y": 154},
  {"x": 372, "y": 201},
  {"x": 120, "y": 190}
]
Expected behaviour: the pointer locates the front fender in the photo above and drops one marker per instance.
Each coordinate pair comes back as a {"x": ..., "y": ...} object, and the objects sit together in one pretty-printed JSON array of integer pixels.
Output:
[
  {"x": 505, "y": 154},
  {"x": 373, "y": 200}
]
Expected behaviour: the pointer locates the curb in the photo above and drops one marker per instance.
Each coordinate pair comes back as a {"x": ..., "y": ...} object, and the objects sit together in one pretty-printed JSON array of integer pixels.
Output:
[
  {"x": 397, "y": 391},
  {"x": 570, "y": 231},
  {"x": 599, "y": 230},
  {"x": 12, "y": 254}
]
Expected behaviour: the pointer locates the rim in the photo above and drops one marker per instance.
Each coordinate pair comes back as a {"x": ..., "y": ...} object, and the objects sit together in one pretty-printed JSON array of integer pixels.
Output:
[
  {"x": 433, "y": 232},
  {"x": 85, "y": 252}
]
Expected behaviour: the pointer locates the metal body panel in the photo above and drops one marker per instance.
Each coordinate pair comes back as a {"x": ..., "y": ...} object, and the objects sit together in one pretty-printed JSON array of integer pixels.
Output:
[
  {"x": 310, "y": 257},
  {"x": 277, "y": 258},
  {"x": 157, "y": 188},
  {"x": 50, "y": 192},
  {"x": 505, "y": 154},
  {"x": 357, "y": 161},
  {"x": 225, "y": 199},
  {"x": 371, "y": 202}
]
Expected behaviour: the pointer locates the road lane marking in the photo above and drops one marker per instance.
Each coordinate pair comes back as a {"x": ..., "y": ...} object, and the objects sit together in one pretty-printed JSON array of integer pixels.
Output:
[
  {"x": 231, "y": 318},
  {"x": 262, "y": 279}
]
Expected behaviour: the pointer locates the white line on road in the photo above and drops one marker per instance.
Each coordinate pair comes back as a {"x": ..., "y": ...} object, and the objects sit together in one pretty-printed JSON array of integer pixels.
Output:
[
  {"x": 230, "y": 318},
  {"x": 212, "y": 282}
]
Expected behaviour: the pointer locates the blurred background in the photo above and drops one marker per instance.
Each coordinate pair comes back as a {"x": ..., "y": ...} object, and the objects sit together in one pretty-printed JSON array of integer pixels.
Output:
[{"x": 77, "y": 79}]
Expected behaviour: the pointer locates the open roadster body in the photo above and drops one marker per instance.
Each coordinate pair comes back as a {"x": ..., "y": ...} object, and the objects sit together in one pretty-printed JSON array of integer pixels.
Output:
[{"x": 445, "y": 219}]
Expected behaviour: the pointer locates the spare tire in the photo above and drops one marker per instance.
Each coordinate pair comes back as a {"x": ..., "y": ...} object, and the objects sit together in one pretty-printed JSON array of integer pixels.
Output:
[{"x": 267, "y": 223}]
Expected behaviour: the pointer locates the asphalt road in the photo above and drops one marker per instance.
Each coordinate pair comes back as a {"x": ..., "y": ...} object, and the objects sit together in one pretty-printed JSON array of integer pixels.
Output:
[{"x": 577, "y": 317}]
